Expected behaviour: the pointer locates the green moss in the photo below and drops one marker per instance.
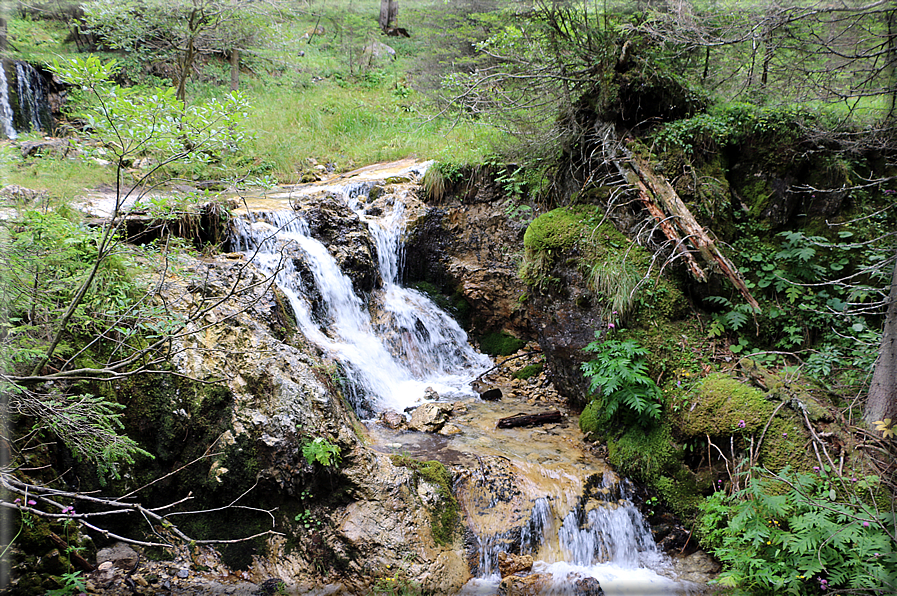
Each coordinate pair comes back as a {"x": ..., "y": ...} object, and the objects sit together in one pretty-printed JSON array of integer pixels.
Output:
[
  {"x": 530, "y": 370},
  {"x": 642, "y": 455},
  {"x": 720, "y": 406},
  {"x": 500, "y": 344},
  {"x": 445, "y": 516},
  {"x": 681, "y": 494},
  {"x": 556, "y": 230},
  {"x": 591, "y": 420}
]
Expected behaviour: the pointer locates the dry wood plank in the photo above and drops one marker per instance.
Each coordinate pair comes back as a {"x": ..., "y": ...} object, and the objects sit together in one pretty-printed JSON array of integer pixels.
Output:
[{"x": 529, "y": 419}]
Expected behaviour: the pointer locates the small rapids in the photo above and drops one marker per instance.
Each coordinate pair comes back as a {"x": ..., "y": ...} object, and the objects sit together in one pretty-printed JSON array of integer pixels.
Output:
[{"x": 522, "y": 491}]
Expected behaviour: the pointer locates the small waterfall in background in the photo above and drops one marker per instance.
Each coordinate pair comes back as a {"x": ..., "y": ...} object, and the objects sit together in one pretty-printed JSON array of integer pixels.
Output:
[
  {"x": 389, "y": 361},
  {"x": 24, "y": 105},
  {"x": 32, "y": 92},
  {"x": 6, "y": 116}
]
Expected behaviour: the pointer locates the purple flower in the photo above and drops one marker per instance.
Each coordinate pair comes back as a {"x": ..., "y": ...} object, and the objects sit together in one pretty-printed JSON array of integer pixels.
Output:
[
  {"x": 32, "y": 502},
  {"x": 68, "y": 509},
  {"x": 823, "y": 584},
  {"x": 611, "y": 326},
  {"x": 815, "y": 468},
  {"x": 865, "y": 524},
  {"x": 741, "y": 424},
  {"x": 17, "y": 501},
  {"x": 784, "y": 434},
  {"x": 615, "y": 312}
]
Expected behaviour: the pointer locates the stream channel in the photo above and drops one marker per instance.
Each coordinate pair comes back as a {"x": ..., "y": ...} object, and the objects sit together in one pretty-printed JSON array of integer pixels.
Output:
[{"x": 524, "y": 491}]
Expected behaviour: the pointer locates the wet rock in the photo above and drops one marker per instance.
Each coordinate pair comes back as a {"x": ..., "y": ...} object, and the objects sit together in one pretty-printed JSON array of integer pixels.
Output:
[
  {"x": 430, "y": 394},
  {"x": 509, "y": 564},
  {"x": 120, "y": 554},
  {"x": 530, "y": 585},
  {"x": 491, "y": 395},
  {"x": 183, "y": 573},
  {"x": 698, "y": 567},
  {"x": 393, "y": 420},
  {"x": 449, "y": 430},
  {"x": 588, "y": 586},
  {"x": 430, "y": 417}
]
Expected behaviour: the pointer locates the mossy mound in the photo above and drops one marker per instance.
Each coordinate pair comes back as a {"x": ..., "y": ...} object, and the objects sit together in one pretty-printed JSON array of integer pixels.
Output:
[
  {"x": 500, "y": 344},
  {"x": 724, "y": 406},
  {"x": 557, "y": 229},
  {"x": 644, "y": 455},
  {"x": 528, "y": 371}
]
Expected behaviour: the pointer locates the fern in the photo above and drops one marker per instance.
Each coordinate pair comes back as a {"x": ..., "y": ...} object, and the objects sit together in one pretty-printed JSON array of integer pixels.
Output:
[{"x": 619, "y": 374}]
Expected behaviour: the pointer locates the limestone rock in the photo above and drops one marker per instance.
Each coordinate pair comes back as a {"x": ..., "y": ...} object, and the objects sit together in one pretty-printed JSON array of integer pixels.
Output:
[
  {"x": 587, "y": 586},
  {"x": 530, "y": 585},
  {"x": 120, "y": 554},
  {"x": 509, "y": 564},
  {"x": 393, "y": 420},
  {"x": 429, "y": 417}
]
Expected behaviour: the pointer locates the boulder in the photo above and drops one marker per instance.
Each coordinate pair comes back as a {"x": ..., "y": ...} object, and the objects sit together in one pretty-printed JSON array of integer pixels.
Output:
[
  {"x": 430, "y": 417},
  {"x": 376, "y": 53},
  {"x": 530, "y": 585},
  {"x": 120, "y": 554},
  {"x": 393, "y": 420},
  {"x": 509, "y": 564}
]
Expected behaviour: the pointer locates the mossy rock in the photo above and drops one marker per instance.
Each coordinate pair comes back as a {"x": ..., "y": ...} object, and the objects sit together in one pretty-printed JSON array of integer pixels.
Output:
[
  {"x": 445, "y": 516},
  {"x": 556, "y": 230},
  {"x": 645, "y": 456},
  {"x": 681, "y": 494},
  {"x": 721, "y": 404},
  {"x": 528, "y": 371},
  {"x": 500, "y": 344}
]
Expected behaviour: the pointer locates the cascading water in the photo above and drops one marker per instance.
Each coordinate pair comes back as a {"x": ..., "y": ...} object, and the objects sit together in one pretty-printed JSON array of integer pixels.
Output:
[
  {"x": 413, "y": 345},
  {"x": 525, "y": 491},
  {"x": 6, "y": 115},
  {"x": 24, "y": 104},
  {"x": 32, "y": 94}
]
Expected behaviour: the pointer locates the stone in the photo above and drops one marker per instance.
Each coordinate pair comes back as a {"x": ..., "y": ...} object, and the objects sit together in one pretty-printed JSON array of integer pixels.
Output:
[
  {"x": 449, "y": 430},
  {"x": 120, "y": 554},
  {"x": 393, "y": 420},
  {"x": 529, "y": 585},
  {"x": 376, "y": 53},
  {"x": 587, "y": 586},
  {"x": 429, "y": 417},
  {"x": 430, "y": 394},
  {"x": 491, "y": 395},
  {"x": 509, "y": 564}
]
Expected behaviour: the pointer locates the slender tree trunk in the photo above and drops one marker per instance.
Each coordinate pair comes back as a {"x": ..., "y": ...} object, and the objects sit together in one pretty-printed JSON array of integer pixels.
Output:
[
  {"x": 234, "y": 69},
  {"x": 882, "y": 400}
]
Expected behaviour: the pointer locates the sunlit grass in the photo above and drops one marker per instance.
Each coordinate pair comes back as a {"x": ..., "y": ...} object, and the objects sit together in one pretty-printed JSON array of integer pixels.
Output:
[{"x": 63, "y": 179}]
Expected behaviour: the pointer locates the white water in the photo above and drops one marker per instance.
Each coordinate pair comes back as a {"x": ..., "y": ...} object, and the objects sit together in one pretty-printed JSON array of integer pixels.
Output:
[
  {"x": 389, "y": 364},
  {"x": 31, "y": 93},
  {"x": 5, "y": 109}
]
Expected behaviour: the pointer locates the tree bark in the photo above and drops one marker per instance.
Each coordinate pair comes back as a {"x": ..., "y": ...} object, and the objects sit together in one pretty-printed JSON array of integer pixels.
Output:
[
  {"x": 882, "y": 401},
  {"x": 389, "y": 14},
  {"x": 234, "y": 69},
  {"x": 529, "y": 419}
]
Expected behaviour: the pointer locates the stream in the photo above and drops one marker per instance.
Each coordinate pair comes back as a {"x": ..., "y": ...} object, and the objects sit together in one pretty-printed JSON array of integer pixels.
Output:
[{"x": 527, "y": 491}]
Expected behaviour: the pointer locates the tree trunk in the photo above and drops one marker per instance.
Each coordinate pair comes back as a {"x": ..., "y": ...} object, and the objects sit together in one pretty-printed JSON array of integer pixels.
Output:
[
  {"x": 389, "y": 14},
  {"x": 234, "y": 69},
  {"x": 882, "y": 401}
]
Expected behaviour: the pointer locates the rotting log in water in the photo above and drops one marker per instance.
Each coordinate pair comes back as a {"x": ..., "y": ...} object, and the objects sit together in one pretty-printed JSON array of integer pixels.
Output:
[{"x": 529, "y": 419}]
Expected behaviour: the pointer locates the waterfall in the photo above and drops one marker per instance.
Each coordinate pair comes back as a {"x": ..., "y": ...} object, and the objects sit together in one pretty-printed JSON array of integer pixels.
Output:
[
  {"x": 32, "y": 94},
  {"x": 24, "y": 105},
  {"x": 5, "y": 109},
  {"x": 389, "y": 362}
]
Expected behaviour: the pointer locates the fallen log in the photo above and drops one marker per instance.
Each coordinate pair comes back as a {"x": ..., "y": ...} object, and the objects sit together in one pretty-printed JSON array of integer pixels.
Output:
[{"x": 529, "y": 419}]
